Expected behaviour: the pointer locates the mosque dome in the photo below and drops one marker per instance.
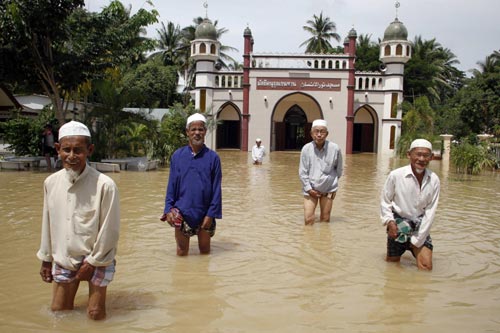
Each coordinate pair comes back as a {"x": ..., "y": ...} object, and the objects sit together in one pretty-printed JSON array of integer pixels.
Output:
[
  {"x": 396, "y": 31},
  {"x": 352, "y": 33},
  {"x": 206, "y": 30}
]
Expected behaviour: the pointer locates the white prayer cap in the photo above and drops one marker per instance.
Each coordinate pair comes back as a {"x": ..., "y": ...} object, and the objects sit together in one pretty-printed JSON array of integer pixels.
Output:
[
  {"x": 73, "y": 128},
  {"x": 195, "y": 117},
  {"x": 319, "y": 122},
  {"x": 421, "y": 143},
  {"x": 258, "y": 140}
]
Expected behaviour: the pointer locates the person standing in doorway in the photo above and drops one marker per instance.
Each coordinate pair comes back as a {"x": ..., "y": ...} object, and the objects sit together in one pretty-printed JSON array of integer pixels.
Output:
[
  {"x": 80, "y": 225},
  {"x": 258, "y": 152},
  {"x": 408, "y": 205},
  {"x": 320, "y": 169},
  {"x": 194, "y": 196}
]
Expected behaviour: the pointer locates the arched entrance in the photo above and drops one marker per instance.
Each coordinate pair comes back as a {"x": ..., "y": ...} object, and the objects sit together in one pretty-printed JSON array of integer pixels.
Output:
[
  {"x": 295, "y": 128},
  {"x": 364, "y": 136},
  {"x": 228, "y": 127},
  {"x": 292, "y": 119}
]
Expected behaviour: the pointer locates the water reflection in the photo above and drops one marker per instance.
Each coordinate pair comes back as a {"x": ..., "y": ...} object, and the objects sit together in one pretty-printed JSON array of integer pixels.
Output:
[{"x": 269, "y": 272}]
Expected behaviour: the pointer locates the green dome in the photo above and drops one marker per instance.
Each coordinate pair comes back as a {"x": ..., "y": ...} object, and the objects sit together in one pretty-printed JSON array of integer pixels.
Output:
[
  {"x": 352, "y": 33},
  {"x": 206, "y": 30},
  {"x": 396, "y": 31},
  {"x": 247, "y": 32}
]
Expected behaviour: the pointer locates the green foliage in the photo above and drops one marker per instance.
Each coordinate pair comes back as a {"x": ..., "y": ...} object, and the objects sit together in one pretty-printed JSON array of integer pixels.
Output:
[
  {"x": 156, "y": 83},
  {"x": 322, "y": 30},
  {"x": 24, "y": 134},
  {"x": 59, "y": 45},
  {"x": 109, "y": 118},
  {"x": 472, "y": 159},
  {"x": 479, "y": 103},
  {"x": 431, "y": 71},
  {"x": 367, "y": 54},
  {"x": 418, "y": 122}
]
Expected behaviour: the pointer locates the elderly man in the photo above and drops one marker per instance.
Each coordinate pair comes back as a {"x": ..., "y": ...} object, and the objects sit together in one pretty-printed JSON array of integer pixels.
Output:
[
  {"x": 194, "y": 200},
  {"x": 408, "y": 205},
  {"x": 319, "y": 171},
  {"x": 80, "y": 225},
  {"x": 258, "y": 152}
]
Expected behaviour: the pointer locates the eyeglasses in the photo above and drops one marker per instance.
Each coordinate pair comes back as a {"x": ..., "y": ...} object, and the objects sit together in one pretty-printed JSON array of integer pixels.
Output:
[
  {"x": 424, "y": 155},
  {"x": 322, "y": 132}
]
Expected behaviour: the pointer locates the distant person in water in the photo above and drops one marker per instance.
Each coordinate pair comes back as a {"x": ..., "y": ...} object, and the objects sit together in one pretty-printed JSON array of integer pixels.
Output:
[
  {"x": 194, "y": 196},
  {"x": 258, "y": 152},
  {"x": 319, "y": 171},
  {"x": 408, "y": 206},
  {"x": 80, "y": 225}
]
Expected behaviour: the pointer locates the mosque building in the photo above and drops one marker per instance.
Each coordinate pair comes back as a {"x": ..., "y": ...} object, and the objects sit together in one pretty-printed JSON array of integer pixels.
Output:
[{"x": 277, "y": 96}]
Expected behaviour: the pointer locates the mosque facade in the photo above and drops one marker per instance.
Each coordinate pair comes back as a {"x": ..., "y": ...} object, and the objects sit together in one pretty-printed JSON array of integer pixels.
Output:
[{"x": 276, "y": 97}]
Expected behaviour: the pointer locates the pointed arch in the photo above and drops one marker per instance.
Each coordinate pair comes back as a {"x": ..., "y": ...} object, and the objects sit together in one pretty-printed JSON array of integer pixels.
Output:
[{"x": 365, "y": 129}]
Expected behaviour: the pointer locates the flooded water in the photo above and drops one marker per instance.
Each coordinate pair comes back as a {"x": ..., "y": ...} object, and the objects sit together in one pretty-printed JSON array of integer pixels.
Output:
[{"x": 267, "y": 271}]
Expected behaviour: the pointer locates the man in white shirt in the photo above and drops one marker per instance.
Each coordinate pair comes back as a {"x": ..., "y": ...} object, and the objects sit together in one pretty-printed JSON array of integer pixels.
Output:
[
  {"x": 258, "y": 152},
  {"x": 80, "y": 225},
  {"x": 408, "y": 206},
  {"x": 320, "y": 169}
]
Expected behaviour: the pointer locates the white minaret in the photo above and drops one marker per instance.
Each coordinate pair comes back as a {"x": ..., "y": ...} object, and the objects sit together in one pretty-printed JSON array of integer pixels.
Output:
[
  {"x": 205, "y": 51},
  {"x": 395, "y": 51}
]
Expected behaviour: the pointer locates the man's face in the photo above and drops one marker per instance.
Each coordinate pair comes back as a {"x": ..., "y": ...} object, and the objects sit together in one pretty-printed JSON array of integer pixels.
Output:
[
  {"x": 319, "y": 134},
  {"x": 196, "y": 133},
  {"x": 419, "y": 159},
  {"x": 73, "y": 151},
  {"x": 258, "y": 143}
]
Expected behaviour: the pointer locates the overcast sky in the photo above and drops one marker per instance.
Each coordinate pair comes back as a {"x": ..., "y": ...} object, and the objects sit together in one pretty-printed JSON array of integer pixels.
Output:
[{"x": 469, "y": 28}]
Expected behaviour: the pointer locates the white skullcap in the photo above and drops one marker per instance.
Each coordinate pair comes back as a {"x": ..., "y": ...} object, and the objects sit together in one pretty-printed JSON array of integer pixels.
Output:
[
  {"x": 421, "y": 143},
  {"x": 319, "y": 122},
  {"x": 195, "y": 117},
  {"x": 73, "y": 128},
  {"x": 258, "y": 140}
]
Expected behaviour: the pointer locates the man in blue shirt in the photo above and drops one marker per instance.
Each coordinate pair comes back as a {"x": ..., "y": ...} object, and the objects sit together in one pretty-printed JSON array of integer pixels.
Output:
[{"x": 194, "y": 198}]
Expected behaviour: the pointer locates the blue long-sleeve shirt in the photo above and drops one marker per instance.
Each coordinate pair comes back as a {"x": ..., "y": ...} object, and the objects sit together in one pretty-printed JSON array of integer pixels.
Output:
[{"x": 194, "y": 185}]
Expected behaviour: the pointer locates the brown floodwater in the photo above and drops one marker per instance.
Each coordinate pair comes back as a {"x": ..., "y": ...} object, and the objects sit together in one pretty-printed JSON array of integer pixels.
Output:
[{"x": 267, "y": 271}]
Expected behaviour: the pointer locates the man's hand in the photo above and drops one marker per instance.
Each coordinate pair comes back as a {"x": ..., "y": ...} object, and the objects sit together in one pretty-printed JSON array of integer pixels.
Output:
[
  {"x": 46, "y": 271},
  {"x": 85, "y": 272},
  {"x": 207, "y": 223},
  {"x": 168, "y": 217},
  {"x": 314, "y": 193},
  {"x": 392, "y": 229}
]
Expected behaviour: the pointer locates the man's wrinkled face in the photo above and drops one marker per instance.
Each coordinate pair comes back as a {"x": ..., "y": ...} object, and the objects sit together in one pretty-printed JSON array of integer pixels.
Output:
[
  {"x": 74, "y": 151},
  {"x": 196, "y": 133},
  {"x": 319, "y": 134},
  {"x": 419, "y": 159}
]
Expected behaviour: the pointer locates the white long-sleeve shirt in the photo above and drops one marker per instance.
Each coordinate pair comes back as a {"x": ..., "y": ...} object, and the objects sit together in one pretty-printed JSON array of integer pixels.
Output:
[
  {"x": 80, "y": 220},
  {"x": 258, "y": 153},
  {"x": 403, "y": 195},
  {"x": 320, "y": 169}
]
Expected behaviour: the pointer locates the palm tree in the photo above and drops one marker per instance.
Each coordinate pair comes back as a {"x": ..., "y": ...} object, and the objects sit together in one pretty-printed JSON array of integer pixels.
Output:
[
  {"x": 367, "y": 54},
  {"x": 322, "y": 30},
  {"x": 489, "y": 65},
  {"x": 170, "y": 44},
  {"x": 431, "y": 71}
]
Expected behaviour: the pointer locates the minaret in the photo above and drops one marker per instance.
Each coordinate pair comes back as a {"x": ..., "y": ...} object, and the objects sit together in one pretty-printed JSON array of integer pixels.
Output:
[
  {"x": 205, "y": 51},
  {"x": 395, "y": 51}
]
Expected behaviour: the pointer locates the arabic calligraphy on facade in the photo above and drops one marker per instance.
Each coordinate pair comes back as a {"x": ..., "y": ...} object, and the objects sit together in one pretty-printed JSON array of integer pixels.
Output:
[{"x": 297, "y": 84}]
